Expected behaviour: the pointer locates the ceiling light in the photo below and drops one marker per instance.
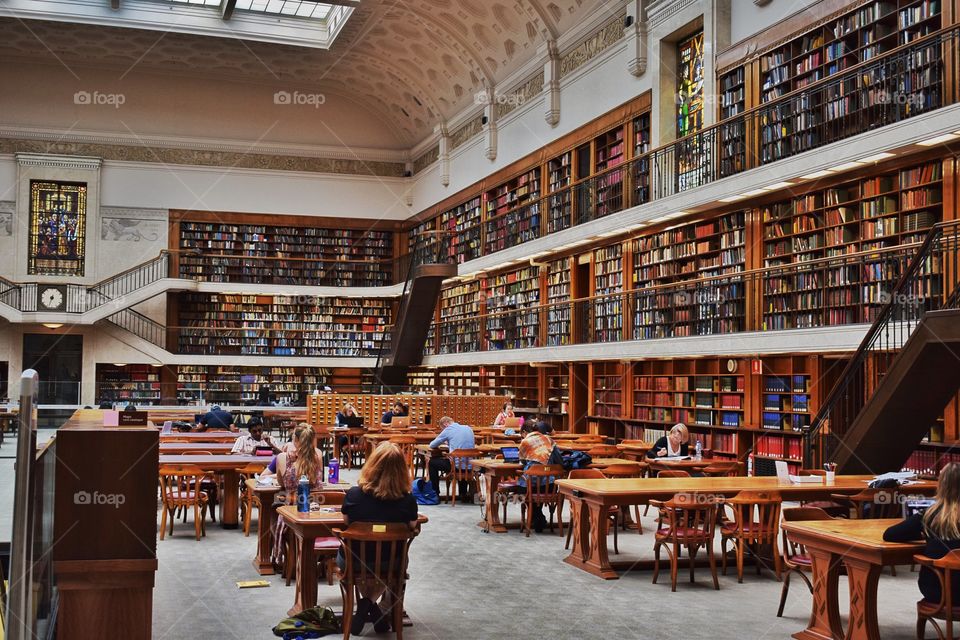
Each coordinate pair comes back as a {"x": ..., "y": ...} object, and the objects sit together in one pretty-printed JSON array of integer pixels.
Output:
[
  {"x": 119, "y": 364},
  {"x": 731, "y": 198},
  {"x": 845, "y": 166},
  {"x": 816, "y": 174},
  {"x": 778, "y": 185},
  {"x": 155, "y": 364},
  {"x": 53, "y": 325},
  {"x": 877, "y": 157},
  {"x": 755, "y": 192},
  {"x": 947, "y": 137}
]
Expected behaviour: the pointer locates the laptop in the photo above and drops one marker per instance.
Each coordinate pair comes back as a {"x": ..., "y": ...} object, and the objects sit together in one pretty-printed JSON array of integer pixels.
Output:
[
  {"x": 352, "y": 421},
  {"x": 784, "y": 476},
  {"x": 511, "y": 454},
  {"x": 512, "y": 423},
  {"x": 400, "y": 421},
  {"x": 916, "y": 506}
]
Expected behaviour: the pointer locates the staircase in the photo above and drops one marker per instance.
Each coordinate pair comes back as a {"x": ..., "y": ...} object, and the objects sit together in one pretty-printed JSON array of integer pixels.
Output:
[
  {"x": 430, "y": 264},
  {"x": 905, "y": 371}
]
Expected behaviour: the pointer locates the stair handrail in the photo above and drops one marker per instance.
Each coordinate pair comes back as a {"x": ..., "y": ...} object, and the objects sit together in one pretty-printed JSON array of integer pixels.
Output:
[
  {"x": 157, "y": 268},
  {"x": 856, "y": 362},
  {"x": 10, "y": 291},
  {"x": 155, "y": 333}
]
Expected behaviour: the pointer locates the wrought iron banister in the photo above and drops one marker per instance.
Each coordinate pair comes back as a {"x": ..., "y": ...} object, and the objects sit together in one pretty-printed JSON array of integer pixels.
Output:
[
  {"x": 140, "y": 326},
  {"x": 128, "y": 281}
]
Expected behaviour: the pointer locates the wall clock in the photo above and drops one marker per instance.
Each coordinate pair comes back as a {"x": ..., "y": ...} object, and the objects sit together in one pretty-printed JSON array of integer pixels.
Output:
[{"x": 51, "y": 298}]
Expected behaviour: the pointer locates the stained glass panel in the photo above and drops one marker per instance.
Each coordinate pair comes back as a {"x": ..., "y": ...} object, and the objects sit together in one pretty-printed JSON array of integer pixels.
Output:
[
  {"x": 58, "y": 216},
  {"x": 690, "y": 85}
]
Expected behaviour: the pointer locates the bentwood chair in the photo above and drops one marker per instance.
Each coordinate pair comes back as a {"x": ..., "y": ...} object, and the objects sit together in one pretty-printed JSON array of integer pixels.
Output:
[
  {"x": 248, "y": 497},
  {"x": 756, "y": 520},
  {"x": 375, "y": 556},
  {"x": 604, "y": 451},
  {"x": 686, "y": 521},
  {"x": 719, "y": 469},
  {"x": 927, "y": 611},
  {"x": 461, "y": 470},
  {"x": 795, "y": 557},
  {"x": 180, "y": 488},
  {"x": 408, "y": 447},
  {"x": 541, "y": 490}
]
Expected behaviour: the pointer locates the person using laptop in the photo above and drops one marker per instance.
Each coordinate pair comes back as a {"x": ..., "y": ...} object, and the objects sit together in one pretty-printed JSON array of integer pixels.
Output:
[
  {"x": 507, "y": 412},
  {"x": 939, "y": 525},
  {"x": 455, "y": 436},
  {"x": 348, "y": 411},
  {"x": 537, "y": 447},
  {"x": 398, "y": 410},
  {"x": 248, "y": 444},
  {"x": 672, "y": 444}
]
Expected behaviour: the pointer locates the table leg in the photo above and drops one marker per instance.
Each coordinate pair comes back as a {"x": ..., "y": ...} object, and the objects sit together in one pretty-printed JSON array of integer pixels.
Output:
[
  {"x": 492, "y": 522},
  {"x": 230, "y": 501},
  {"x": 336, "y": 447},
  {"x": 825, "y": 613},
  {"x": 266, "y": 522},
  {"x": 306, "y": 574},
  {"x": 863, "y": 577},
  {"x": 593, "y": 549}
]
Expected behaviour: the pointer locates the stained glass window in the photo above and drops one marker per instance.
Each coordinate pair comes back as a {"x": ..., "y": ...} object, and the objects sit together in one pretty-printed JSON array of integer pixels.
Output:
[
  {"x": 58, "y": 221},
  {"x": 690, "y": 85}
]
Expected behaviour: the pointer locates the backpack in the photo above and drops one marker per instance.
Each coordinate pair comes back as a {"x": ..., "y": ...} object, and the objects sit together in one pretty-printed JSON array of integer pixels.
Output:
[
  {"x": 310, "y": 623},
  {"x": 424, "y": 492},
  {"x": 576, "y": 460}
]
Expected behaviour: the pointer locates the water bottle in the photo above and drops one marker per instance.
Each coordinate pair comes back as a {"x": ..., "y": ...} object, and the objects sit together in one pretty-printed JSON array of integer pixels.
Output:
[
  {"x": 699, "y": 449},
  {"x": 333, "y": 474},
  {"x": 303, "y": 495}
]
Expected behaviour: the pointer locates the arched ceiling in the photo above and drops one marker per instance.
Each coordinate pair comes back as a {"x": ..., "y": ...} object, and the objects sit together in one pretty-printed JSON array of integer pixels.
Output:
[{"x": 418, "y": 61}]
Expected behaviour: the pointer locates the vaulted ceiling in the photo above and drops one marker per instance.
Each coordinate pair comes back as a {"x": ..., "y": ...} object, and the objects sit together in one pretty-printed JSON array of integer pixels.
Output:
[{"x": 413, "y": 62}]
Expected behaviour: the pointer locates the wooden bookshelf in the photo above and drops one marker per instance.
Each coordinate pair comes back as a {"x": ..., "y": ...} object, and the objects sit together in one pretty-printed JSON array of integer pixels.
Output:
[
  {"x": 133, "y": 383},
  {"x": 641, "y": 169},
  {"x": 559, "y": 179},
  {"x": 789, "y": 399},
  {"x": 558, "y": 293},
  {"x": 607, "y": 280},
  {"x": 607, "y": 389},
  {"x": 558, "y": 388},
  {"x": 460, "y": 318},
  {"x": 609, "y": 153},
  {"x": 464, "y": 223},
  {"x": 871, "y": 214},
  {"x": 237, "y": 385},
  {"x": 513, "y": 212},
  {"x": 221, "y": 324},
  {"x": 466, "y": 381},
  {"x": 422, "y": 381},
  {"x": 512, "y": 308},
  {"x": 269, "y": 254},
  {"x": 416, "y": 244},
  {"x": 733, "y": 136},
  {"x": 520, "y": 382},
  {"x": 691, "y": 252}
]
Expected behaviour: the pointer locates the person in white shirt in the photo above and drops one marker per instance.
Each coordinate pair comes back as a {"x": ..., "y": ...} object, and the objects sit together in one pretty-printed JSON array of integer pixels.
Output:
[{"x": 247, "y": 444}]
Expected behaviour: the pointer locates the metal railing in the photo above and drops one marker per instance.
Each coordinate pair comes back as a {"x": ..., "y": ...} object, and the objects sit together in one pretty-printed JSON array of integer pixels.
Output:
[
  {"x": 129, "y": 281},
  {"x": 140, "y": 326},
  {"x": 260, "y": 341},
  {"x": 914, "y": 293}
]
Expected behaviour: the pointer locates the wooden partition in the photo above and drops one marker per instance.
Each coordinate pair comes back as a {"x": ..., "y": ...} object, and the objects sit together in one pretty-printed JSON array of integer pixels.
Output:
[{"x": 472, "y": 410}]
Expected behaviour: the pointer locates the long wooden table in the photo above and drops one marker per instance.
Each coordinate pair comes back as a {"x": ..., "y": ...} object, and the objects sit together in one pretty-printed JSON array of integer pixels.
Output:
[
  {"x": 858, "y": 545},
  {"x": 228, "y": 466},
  {"x": 201, "y": 436},
  {"x": 307, "y": 527},
  {"x": 592, "y": 500},
  {"x": 173, "y": 448}
]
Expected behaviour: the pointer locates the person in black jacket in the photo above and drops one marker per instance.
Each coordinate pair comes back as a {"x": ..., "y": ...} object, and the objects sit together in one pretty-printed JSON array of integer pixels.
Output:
[
  {"x": 672, "y": 444},
  {"x": 940, "y": 527}
]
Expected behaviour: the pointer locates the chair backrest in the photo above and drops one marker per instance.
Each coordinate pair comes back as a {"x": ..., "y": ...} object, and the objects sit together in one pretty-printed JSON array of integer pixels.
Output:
[
  {"x": 673, "y": 473},
  {"x": 328, "y": 498},
  {"x": 637, "y": 443},
  {"x": 626, "y": 470},
  {"x": 460, "y": 460},
  {"x": 578, "y": 446},
  {"x": 877, "y": 503},
  {"x": 586, "y": 474},
  {"x": 604, "y": 451},
  {"x": 539, "y": 478},
  {"x": 180, "y": 483},
  {"x": 485, "y": 437},
  {"x": 694, "y": 515},
  {"x": 407, "y": 446},
  {"x": 727, "y": 468},
  {"x": 594, "y": 439},
  {"x": 756, "y": 514},
  {"x": 799, "y": 514},
  {"x": 198, "y": 453},
  {"x": 376, "y": 554}
]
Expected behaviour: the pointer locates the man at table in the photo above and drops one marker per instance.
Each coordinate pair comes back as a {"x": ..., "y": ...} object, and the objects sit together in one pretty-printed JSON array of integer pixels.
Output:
[
  {"x": 216, "y": 419},
  {"x": 536, "y": 448},
  {"x": 247, "y": 444},
  {"x": 398, "y": 410},
  {"x": 455, "y": 436},
  {"x": 672, "y": 444}
]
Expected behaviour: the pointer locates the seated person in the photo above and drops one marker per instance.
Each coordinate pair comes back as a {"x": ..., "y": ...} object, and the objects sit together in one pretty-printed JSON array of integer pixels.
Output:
[
  {"x": 398, "y": 410},
  {"x": 672, "y": 444},
  {"x": 303, "y": 459},
  {"x": 348, "y": 411},
  {"x": 455, "y": 436},
  {"x": 507, "y": 412},
  {"x": 247, "y": 444},
  {"x": 130, "y": 408},
  {"x": 216, "y": 419},
  {"x": 537, "y": 447},
  {"x": 382, "y": 495},
  {"x": 940, "y": 527},
  {"x": 105, "y": 405}
]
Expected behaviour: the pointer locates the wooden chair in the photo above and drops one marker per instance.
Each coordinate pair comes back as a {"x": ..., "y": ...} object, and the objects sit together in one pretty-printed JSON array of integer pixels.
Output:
[
  {"x": 355, "y": 448},
  {"x": 628, "y": 470},
  {"x": 604, "y": 451},
  {"x": 180, "y": 487},
  {"x": 719, "y": 469},
  {"x": 248, "y": 497},
  {"x": 541, "y": 491},
  {"x": 408, "y": 447},
  {"x": 944, "y": 610},
  {"x": 375, "y": 558},
  {"x": 836, "y": 509},
  {"x": 687, "y": 521},
  {"x": 756, "y": 518},
  {"x": 589, "y": 474},
  {"x": 210, "y": 486},
  {"x": 461, "y": 470},
  {"x": 673, "y": 473},
  {"x": 592, "y": 439},
  {"x": 795, "y": 558},
  {"x": 873, "y": 503},
  {"x": 325, "y": 549}
]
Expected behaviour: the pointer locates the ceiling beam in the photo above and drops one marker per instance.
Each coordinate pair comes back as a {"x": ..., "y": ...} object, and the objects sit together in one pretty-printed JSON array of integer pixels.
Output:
[{"x": 226, "y": 8}]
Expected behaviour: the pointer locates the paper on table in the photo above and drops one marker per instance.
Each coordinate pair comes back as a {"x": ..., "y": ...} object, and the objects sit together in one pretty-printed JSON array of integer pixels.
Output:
[
  {"x": 266, "y": 481},
  {"x": 899, "y": 476}
]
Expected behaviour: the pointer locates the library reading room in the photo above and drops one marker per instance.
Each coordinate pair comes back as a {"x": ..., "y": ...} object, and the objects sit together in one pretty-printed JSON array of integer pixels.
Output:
[{"x": 314, "y": 311}]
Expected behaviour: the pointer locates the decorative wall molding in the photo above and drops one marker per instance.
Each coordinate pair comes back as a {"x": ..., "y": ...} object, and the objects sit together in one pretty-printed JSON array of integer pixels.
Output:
[
  {"x": 71, "y": 154},
  {"x": 519, "y": 95},
  {"x": 636, "y": 34},
  {"x": 426, "y": 159},
  {"x": 77, "y": 161},
  {"x": 609, "y": 34},
  {"x": 660, "y": 11},
  {"x": 131, "y": 224},
  {"x": 466, "y": 131},
  {"x": 7, "y": 210}
]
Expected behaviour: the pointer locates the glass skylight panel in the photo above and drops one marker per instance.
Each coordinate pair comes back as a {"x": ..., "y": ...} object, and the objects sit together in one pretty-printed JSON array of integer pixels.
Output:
[
  {"x": 299, "y": 8},
  {"x": 206, "y": 3}
]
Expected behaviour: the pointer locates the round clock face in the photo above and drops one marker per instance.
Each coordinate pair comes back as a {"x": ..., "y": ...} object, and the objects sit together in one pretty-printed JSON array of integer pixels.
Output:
[
  {"x": 731, "y": 365},
  {"x": 51, "y": 298}
]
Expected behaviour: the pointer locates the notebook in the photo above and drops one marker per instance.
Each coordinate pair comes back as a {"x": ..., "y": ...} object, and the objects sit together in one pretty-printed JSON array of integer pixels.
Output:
[
  {"x": 784, "y": 476},
  {"x": 510, "y": 454}
]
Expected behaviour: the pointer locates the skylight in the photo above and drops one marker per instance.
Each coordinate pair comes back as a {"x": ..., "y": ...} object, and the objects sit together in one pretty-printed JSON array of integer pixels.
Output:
[{"x": 298, "y": 8}]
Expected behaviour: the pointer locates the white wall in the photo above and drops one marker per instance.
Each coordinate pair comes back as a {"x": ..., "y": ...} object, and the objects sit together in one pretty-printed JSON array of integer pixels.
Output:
[{"x": 748, "y": 19}]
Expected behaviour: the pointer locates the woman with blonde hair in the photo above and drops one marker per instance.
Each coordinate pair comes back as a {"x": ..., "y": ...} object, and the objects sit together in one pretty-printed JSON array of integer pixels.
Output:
[
  {"x": 940, "y": 527},
  {"x": 382, "y": 495},
  {"x": 675, "y": 443},
  {"x": 302, "y": 459}
]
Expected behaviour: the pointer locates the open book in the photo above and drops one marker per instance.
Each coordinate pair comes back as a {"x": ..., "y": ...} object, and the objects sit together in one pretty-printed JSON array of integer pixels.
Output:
[{"x": 783, "y": 475}]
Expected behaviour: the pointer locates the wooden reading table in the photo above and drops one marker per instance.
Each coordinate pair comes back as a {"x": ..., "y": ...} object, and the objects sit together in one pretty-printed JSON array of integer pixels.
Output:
[
  {"x": 173, "y": 448},
  {"x": 227, "y": 465}
]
